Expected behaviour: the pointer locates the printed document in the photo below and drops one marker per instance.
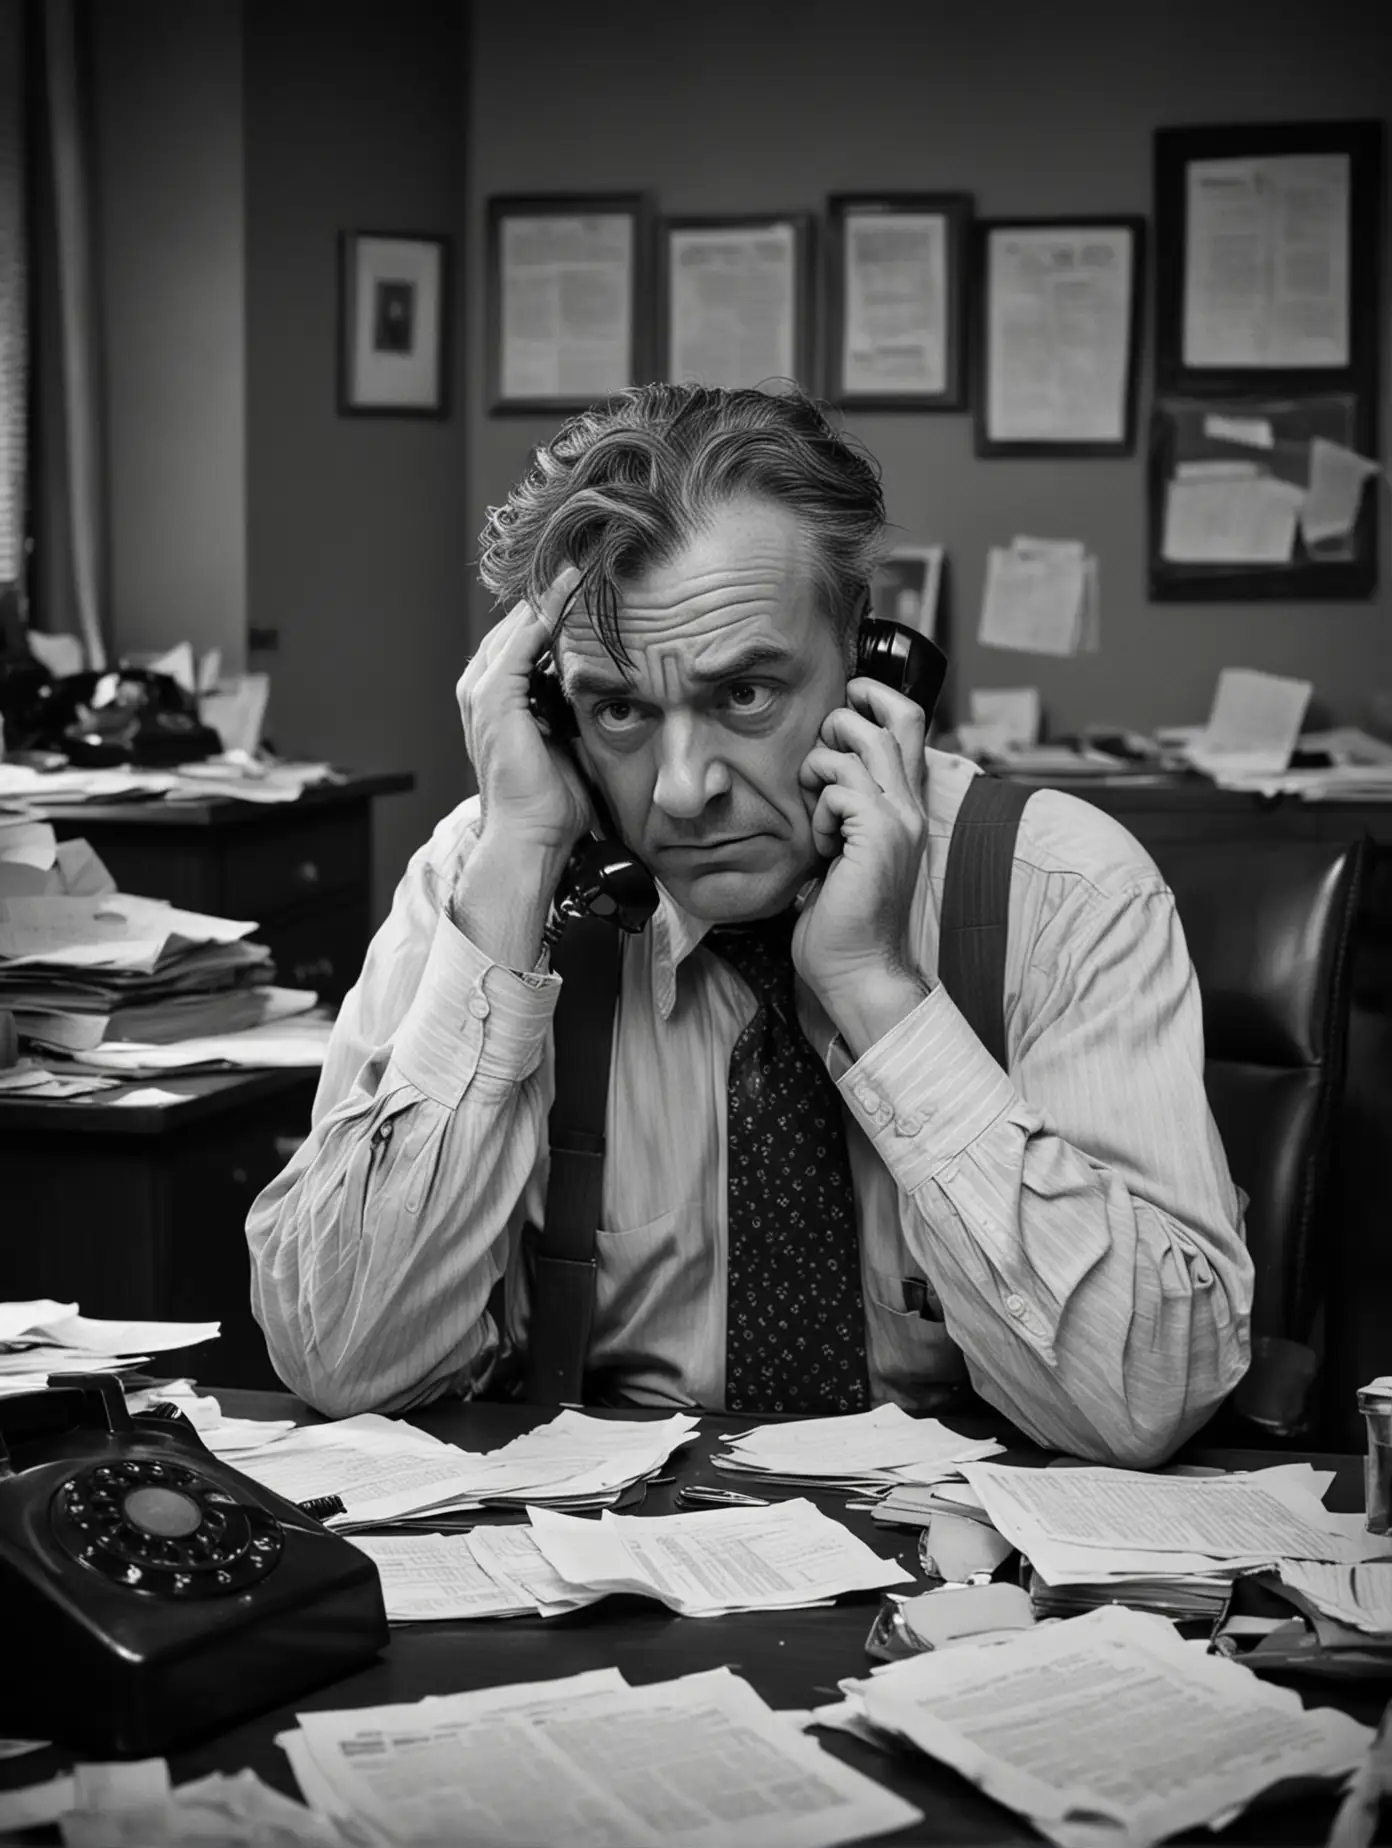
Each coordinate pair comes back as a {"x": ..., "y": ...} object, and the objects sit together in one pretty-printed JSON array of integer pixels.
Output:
[
  {"x": 427, "y": 1578},
  {"x": 896, "y": 303},
  {"x": 1059, "y": 1518},
  {"x": 726, "y": 1559},
  {"x": 874, "y": 1448},
  {"x": 1110, "y": 1718},
  {"x": 566, "y": 289},
  {"x": 513, "y": 1560},
  {"x": 733, "y": 304},
  {"x": 1337, "y": 478},
  {"x": 1254, "y": 725},
  {"x": 699, "y": 1762},
  {"x": 1245, "y": 519},
  {"x": 377, "y": 1467},
  {"x": 1357, "y": 1595},
  {"x": 1266, "y": 273}
]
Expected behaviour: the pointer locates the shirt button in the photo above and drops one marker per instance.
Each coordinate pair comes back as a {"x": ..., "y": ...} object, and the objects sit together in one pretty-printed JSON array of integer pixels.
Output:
[
  {"x": 867, "y": 1097},
  {"x": 908, "y": 1125},
  {"x": 384, "y": 1132},
  {"x": 1017, "y": 1306},
  {"x": 478, "y": 1006}
]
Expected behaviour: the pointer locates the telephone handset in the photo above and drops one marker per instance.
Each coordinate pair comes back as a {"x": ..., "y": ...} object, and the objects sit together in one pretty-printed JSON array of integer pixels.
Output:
[
  {"x": 152, "y": 1591},
  {"x": 603, "y": 879}
]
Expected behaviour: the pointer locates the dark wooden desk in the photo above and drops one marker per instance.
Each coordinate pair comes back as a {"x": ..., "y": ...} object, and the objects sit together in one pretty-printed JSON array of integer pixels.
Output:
[
  {"x": 1163, "y": 810},
  {"x": 141, "y": 1210},
  {"x": 302, "y": 870},
  {"x": 793, "y": 1658}
]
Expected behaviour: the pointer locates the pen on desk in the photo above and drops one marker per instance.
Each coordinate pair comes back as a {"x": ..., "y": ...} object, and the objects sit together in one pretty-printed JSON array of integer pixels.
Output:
[{"x": 721, "y": 1498}]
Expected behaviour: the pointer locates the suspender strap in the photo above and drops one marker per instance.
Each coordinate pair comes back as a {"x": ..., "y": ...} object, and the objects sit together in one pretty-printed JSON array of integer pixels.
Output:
[
  {"x": 975, "y": 923},
  {"x": 588, "y": 958}
]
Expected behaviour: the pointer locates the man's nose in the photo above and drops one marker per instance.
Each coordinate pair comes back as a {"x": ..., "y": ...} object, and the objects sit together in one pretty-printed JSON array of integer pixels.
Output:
[{"x": 690, "y": 774}]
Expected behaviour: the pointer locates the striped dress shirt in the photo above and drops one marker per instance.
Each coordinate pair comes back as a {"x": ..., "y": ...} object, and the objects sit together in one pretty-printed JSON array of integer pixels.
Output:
[{"x": 1063, "y": 1234}]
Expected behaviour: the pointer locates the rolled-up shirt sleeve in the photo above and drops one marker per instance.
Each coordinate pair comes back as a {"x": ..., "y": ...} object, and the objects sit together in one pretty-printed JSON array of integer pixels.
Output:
[
  {"x": 373, "y": 1255},
  {"x": 1075, "y": 1216}
]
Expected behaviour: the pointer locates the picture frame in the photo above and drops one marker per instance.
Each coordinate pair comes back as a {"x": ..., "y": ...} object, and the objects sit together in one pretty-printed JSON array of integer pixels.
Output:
[
  {"x": 1250, "y": 297},
  {"x": 1057, "y": 335},
  {"x": 393, "y": 324},
  {"x": 550, "y": 258},
  {"x": 896, "y": 315},
  {"x": 765, "y": 259},
  {"x": 1269, "y": 244},
  {"x": 907, "y": 588},
  {"x": 1227, "y": 481}
]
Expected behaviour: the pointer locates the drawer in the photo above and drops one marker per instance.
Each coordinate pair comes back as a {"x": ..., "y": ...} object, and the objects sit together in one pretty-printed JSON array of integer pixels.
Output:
[
  {"x": 321, "y": 947},
  {"x": 267, "y": 870}
]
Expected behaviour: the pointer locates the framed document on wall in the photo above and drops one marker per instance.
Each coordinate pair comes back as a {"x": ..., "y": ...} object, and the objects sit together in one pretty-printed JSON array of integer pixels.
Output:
[
  {"x": 566, "y": 299},
  {"x": 896, "y": 301},
  {"x": 1058, "y": 326},
  {"x": 735, "y": 299},
  {"x": 393, "y": 324}
]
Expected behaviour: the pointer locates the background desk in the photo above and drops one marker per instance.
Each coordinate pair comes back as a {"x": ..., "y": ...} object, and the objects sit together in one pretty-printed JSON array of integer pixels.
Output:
[
  {"x": 302, "y": 870},
  {"x": 142, "y": 1211},
  {"x": 1358, "y": 1338},
  {"x": 793, "y": 1658}
]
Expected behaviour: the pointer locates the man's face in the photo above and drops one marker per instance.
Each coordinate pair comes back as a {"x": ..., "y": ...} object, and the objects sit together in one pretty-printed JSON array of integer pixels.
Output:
[{"x": 697, "y": 751}]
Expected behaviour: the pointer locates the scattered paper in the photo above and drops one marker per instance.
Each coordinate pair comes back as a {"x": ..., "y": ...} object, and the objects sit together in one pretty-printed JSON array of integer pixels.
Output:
[
  {"x": 1040, "y": 597},
  {"x": 301, "y": 1040},
  {"x": 177, "y": 662},
  {"x": 1254, "y": 724},
  {"x": 1359, "y": 1595},
  {"x": 60, "y": 654},
  {"x": 1338, "y": 477},
  {"x": 1087, "y": 1522},
  {"x": 33, "y": 1806},
  {"x": 1002, "y": 716},
  {"x": 145, "y": 1096},
  {"x": 236, "y": 710},
  {"x": 377, "y": 1466},
  {"x": 1222, "y": 520},
  {"x": 98, "y": 1336},
  {"x": 427, "y": 1578},
  {"x": 511, "y": 1557},
  {"x": 872, "y": 1449},
  {"x": 1109, "y": 1724},
  {"x": 589, "y": 1760},
  {"x": 726, "y": 1559}
]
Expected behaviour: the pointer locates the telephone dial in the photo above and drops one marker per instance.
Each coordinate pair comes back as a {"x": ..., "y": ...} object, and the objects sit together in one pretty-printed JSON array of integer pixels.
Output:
[
  {"x": 603, "y": 879},
  {"x": 148, "y": 1590}
]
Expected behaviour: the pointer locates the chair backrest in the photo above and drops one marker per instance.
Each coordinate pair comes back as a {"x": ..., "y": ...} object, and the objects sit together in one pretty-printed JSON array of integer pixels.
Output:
[{"x": 1269, "y": 926}]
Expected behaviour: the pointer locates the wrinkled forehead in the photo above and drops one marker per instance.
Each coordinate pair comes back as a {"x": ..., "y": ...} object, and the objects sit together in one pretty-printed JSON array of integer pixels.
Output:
[{"x": 745, "y": 580}]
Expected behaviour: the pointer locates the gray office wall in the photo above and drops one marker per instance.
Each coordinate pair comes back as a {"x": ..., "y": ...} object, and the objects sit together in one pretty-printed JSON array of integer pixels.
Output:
[
  {"x": 1036, "y": 110},
  {"x": 356, "y": 526},
  {"x": 167, "y": 126}
]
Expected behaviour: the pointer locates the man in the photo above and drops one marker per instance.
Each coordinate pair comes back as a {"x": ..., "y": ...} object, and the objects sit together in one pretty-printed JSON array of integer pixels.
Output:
[{"x": 1065, "y": 1233}]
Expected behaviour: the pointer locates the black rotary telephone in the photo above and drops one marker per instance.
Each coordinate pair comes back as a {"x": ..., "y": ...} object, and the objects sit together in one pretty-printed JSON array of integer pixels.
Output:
[
  {"x": 148, "y": 1590},
  {"x": 603, "y": 879}
]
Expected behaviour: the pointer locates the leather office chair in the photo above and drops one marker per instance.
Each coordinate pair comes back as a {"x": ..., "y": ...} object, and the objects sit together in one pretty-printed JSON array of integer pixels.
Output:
[{"x": 1269, "y": 926}]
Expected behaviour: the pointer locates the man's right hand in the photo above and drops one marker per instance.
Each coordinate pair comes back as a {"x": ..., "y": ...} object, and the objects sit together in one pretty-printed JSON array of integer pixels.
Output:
[{"x": 531, "y": 794}]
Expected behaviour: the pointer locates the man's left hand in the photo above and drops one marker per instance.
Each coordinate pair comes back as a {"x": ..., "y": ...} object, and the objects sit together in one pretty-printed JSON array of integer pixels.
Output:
[{"x": 852, "y": 944}]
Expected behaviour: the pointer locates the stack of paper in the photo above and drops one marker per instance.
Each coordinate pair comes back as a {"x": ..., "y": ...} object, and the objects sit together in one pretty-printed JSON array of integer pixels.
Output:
[
  {"x": 1165, "y": 1543},
  {"x": 41, "y": 1341},
  {"x": 1041, "y": 596},
  {"x": 230, "y": 1438},
  {"x": 1104, "y": 1726},
  {"x": 386, "y": 1472},
  {"x": 862, "y": 1450},
  {"x": 217, "y": 778},
  {"x": 726, "y": 1559},
  {"x": 701, "y": 1759},
  {"x": 82, "y": 965}
]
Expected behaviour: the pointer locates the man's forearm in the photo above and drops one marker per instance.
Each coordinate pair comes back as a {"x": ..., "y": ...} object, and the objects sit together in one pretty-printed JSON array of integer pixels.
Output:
[{"x": 502, "y": 897}]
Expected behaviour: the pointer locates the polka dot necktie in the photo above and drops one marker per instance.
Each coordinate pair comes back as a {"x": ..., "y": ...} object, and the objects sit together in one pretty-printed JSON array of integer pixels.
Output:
[{"x": 795, "y": 1319}]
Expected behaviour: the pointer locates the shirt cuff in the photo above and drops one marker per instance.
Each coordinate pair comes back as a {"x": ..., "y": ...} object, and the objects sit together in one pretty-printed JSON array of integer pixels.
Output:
[
  {"x": 471, "y": 1018},
  {"x": 926, "y": 1091}
]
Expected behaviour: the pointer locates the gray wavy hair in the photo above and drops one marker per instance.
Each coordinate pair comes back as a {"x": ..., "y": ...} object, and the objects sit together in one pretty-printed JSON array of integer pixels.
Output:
[{"x": 624, "y": 486}]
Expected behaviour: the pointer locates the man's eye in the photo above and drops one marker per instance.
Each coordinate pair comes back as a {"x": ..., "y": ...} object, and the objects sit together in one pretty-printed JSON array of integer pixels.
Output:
[
  {"x": 747, "y": 697},
  {"x": 616, "y": 715}
]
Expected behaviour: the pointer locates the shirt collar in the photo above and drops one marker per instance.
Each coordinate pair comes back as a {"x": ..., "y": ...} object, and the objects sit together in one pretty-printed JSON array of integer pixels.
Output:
[{"x": 675, "y": 934}]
